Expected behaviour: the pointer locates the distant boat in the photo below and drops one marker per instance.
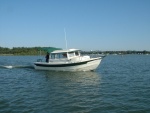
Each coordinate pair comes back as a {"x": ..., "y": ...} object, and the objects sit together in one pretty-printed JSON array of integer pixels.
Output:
[{"x": 68, "y": 60}]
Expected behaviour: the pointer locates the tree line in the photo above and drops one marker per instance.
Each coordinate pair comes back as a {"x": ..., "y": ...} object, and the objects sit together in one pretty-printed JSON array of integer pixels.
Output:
[
  {"x": 35, "y": 51},
  {"x": 117, "y": 52},
  {"x": 20, "y": 51}
]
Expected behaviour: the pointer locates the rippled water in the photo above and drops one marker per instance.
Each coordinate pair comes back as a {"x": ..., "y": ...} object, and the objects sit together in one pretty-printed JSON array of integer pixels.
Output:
[{"x": 121, "y": 84}]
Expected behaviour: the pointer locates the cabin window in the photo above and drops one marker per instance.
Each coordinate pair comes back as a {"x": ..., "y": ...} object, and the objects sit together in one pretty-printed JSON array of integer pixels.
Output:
[
  {"x": 77, "y": 53},
  {"x": 58, "y": 55},
  {"x": 64, "y": 55},
  {"x": 52, "y": 56},
  {"x": 71, "y": 54}
]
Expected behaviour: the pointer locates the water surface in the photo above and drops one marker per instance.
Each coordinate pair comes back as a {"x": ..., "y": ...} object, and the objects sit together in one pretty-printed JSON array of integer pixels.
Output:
[{"x": 121, "y": 84}]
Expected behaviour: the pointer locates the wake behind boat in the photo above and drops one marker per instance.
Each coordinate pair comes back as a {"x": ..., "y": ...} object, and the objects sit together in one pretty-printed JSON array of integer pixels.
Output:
[{"x": 68, "y": 60}]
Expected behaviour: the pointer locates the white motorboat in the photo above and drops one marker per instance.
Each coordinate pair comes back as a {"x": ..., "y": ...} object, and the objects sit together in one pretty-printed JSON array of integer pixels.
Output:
[{"x": 68, "y": 60}]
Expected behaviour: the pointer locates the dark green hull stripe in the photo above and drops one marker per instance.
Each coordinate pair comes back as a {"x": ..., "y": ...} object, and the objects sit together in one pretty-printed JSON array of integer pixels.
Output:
[{"x": 61, "y": 65}]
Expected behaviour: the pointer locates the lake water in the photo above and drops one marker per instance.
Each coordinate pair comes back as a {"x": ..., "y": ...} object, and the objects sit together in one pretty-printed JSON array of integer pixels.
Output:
[{"x": 121, "y": 84}]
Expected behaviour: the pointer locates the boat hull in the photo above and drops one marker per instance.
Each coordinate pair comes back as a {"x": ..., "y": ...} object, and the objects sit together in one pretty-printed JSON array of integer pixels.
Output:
[{"x": 88, "y": 65}]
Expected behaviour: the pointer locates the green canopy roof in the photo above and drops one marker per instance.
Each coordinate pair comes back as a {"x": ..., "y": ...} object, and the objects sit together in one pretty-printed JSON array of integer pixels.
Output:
[{"x": 49, "y": 49}]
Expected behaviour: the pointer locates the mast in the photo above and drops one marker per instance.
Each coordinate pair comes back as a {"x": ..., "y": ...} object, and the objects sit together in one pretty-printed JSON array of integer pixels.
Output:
[{"x": 65, "y": 38}]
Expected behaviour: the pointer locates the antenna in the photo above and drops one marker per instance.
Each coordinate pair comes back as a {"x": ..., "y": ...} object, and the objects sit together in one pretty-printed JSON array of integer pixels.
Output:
[{"x": 65, "y": 38}]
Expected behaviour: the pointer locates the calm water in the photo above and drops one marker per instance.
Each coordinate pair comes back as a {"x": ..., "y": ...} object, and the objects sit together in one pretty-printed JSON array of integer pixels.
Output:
[{"x": 121, "y": 84}]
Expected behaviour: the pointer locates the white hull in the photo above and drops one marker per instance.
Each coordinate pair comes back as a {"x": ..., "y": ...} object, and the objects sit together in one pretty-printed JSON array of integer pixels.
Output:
[{"x": 88, "y": 65}]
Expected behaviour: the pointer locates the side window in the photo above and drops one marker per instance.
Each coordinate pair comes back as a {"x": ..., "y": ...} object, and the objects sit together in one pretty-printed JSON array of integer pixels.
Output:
[
  {"x": 56, "y": 56},
  {"x": 76, "y": 53},
  {"x": 60, "y": 55},
  {"x": 52, "y": 56},
  {"x": 64, "y": 55},
  {"x": 71, "y": 54}
]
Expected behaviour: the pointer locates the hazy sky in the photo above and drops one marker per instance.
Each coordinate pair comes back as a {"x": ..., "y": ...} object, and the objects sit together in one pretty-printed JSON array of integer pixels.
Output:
[{"x": 89, "y": 24}]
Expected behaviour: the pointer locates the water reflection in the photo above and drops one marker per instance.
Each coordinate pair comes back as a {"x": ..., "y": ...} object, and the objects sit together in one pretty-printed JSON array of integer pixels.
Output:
[
  {"x": 86, "y": 78},
  {"x": 70, "y": 90}
]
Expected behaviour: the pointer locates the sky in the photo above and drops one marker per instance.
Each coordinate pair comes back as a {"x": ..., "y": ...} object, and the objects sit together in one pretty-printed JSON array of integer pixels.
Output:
[{"x": 89, "y": 24}]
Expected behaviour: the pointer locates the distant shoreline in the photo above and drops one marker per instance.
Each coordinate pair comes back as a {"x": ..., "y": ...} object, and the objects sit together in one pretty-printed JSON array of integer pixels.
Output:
[
  {"x": 84, "y": 53},
  {"x": 18, "y": 55},
  {"x": 22, "y": 51}
]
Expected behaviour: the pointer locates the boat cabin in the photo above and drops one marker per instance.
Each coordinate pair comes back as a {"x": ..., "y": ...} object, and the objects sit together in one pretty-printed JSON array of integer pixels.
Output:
[{"x": 65, "y": 54}]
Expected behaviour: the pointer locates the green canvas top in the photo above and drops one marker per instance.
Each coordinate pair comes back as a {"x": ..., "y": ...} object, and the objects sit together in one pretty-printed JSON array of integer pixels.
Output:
[{"x": 49, "y": 49}]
